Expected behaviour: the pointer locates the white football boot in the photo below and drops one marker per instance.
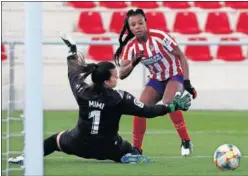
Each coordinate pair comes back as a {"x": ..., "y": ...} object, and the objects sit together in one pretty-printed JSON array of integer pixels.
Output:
[
  {"x": 16, "y": 160},
  {"x": 186, "y": 148}
]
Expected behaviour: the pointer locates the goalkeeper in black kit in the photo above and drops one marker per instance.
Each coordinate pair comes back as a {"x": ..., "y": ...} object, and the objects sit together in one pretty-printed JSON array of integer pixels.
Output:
[{"x": 95, "y": 135}]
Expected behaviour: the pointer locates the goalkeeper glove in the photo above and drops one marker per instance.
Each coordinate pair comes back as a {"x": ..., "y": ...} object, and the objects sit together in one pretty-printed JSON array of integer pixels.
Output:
[{"x": 180, "y": 103}]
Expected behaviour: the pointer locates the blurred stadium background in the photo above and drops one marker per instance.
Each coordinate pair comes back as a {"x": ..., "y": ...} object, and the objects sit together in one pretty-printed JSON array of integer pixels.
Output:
[{"x": 217, "y": 71}]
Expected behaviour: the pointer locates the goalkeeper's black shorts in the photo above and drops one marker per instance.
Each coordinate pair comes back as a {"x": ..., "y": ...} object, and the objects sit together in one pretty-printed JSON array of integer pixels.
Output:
[{"x": 73, "y": 144}]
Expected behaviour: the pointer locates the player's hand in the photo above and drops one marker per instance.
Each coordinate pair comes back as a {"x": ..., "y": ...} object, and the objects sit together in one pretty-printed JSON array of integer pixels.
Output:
[
  {"x": 190, "y": 88},
  {"x": 73, "y": 49},
  {"x": 182, "y": 102},
  {"x": 69, "y": 42},
  {"x": 73, "y": 53},
  {"x": 137, "y": 58}
]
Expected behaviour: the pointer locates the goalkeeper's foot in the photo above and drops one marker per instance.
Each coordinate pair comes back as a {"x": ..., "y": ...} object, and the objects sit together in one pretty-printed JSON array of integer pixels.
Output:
[
  {"x": 16, "y": 160},
  {"x": 186, "y": 148},
  {"x": 134, "y": 159}
]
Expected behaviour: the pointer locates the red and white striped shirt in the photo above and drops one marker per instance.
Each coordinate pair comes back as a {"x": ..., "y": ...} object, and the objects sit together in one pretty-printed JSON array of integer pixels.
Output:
[{"x": 158, "y": 58}]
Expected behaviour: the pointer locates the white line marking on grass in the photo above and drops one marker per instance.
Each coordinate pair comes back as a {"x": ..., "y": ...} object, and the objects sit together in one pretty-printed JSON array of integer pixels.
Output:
[
  {"x": 179, "y": 157},
  {"x": 152, "y": 157},
  {"x": 151, "y": 132},
  {"x": 64, "y": 156}
]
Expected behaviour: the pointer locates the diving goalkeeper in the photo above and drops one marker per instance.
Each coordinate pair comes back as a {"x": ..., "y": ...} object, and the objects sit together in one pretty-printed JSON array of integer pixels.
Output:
[{"x": 95, "y": 135}]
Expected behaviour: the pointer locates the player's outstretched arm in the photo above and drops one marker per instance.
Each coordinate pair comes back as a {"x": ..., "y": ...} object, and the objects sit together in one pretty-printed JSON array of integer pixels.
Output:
[
  {"x": 78, "y": 70},
  {"x": 75, "y": 60},
  {"x": 131, "y": 106}
]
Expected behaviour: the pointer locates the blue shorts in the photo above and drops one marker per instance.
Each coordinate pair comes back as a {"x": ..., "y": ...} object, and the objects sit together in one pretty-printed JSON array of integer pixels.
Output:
[{"x": 160, "y": 86}]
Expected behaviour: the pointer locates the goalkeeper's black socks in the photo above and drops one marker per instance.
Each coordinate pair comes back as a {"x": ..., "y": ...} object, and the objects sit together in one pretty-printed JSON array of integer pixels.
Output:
[{"x": 50, "y": 145}]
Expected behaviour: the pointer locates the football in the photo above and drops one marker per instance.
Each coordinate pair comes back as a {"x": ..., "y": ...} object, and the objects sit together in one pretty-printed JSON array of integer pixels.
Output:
[{"x": 227, "y": 157}]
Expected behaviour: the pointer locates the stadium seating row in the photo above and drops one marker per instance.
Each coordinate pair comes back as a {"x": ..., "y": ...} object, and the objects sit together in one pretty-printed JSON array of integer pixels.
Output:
[
  {"x": 185, "y": 23},
  {"x": 194, "y": 53},
  {"x": 153, "y": 5}
]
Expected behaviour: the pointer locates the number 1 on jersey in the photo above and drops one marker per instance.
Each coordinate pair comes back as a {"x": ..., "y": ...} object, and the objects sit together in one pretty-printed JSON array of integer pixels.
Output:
[{"x": 96, "y": 121}]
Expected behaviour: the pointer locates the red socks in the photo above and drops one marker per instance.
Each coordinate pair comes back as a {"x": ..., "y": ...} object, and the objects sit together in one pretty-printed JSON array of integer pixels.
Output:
[
  {"x": 178, "y": 121},
  {"x": 139, "y": 128}
]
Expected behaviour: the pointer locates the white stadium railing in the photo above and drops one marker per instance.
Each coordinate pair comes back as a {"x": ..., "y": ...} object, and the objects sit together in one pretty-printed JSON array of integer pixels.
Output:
[{"x": 92, "y": 42}]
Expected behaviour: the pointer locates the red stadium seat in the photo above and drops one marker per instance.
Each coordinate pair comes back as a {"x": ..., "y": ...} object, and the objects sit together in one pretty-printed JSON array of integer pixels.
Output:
[
  {"x": 156, "y": 20},
  {"x": 3, "y": 53},
  {"x": 90, "y": 23},
  {"x": 218, "y": 23},
  {"x": 176, "y": 5},
  {"x": 145, "y": 4},
  {"x": 230, "y": 53},
  {"x": 81, "y": 4},
  {"x": 207, "y": 4},
  {"x": 186, "y": 23},
  {"x": 196, "y": 52},
  {"x": 113, "y": 4},
  {"x": 237, "y": 4},
  {"x": 100, "y": 52},
  {"x": 242, "y": 25},
  {"x": 117, "y": 22}
]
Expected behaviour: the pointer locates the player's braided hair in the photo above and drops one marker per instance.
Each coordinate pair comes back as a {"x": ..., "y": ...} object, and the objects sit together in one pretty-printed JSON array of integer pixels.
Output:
[{"x": 129, "y": 36}]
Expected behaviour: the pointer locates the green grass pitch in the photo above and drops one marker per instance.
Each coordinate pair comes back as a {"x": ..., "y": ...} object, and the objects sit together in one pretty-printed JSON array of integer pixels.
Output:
[{"x": 208, "y": 130}]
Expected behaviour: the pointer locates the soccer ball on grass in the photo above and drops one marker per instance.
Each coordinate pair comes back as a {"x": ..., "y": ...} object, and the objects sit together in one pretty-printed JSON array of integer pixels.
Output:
[{"x": 227, "y": 157}]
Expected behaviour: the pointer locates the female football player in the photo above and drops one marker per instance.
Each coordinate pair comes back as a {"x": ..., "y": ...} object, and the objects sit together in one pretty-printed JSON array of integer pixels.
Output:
[
  {"x": 100, "y": 108},
  {"x": 168, "y": 67}
]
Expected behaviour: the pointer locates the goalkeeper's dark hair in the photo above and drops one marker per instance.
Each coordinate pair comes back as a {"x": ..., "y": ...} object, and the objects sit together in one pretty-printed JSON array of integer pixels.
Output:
[
  {"x": 99, "y": 73},
  {"x": 129, "y": 36}
]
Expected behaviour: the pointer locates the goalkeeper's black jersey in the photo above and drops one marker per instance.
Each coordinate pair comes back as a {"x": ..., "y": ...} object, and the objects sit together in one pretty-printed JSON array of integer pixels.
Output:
[{"x": 99, "y": 113}]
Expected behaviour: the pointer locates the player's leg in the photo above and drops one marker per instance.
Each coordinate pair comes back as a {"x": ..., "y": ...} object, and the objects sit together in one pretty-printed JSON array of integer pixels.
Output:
[
  {"x": 113, "y": 150},
  {"x": 175, "y": 84},
  {"x": 150, "y": 96},
  {"x": 133, "y": 156},
  {"x": 58, "y": 140},
  {"x": 123, "y": 152},
  {"x": 50, "y": 145}
]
